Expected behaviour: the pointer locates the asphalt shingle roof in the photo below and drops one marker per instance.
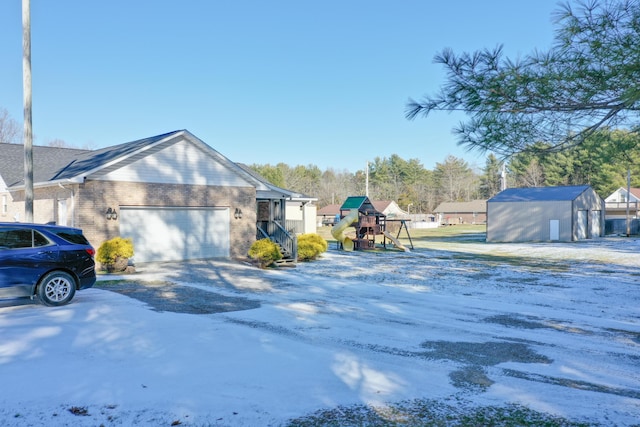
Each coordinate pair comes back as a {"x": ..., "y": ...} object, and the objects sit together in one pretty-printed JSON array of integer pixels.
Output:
[
  {"x": 54, "y": 163},
  {"x": 47, "y": 162}
]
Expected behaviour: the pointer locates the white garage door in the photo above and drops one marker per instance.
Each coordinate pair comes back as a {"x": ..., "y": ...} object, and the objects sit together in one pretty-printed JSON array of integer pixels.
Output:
[{"x": 175, "y": 234}]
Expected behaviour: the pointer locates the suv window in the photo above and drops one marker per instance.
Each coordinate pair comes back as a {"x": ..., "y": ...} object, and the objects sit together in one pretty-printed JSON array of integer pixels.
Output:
[
  {"x": 15, "y": 238},
  {"x": 71, "y": 236}
]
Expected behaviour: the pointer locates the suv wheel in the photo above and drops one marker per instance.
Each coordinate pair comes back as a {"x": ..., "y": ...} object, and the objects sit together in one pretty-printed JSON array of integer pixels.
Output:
[{"x": 56, "y": 288}]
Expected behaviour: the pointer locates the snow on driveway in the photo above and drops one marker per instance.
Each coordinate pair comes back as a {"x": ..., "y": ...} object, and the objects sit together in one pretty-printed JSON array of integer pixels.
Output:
[{"x": 553, "y": 327}]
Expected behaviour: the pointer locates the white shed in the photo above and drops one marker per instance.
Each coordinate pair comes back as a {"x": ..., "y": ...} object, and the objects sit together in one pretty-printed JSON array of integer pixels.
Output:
[{"x": 565, "y": 214}]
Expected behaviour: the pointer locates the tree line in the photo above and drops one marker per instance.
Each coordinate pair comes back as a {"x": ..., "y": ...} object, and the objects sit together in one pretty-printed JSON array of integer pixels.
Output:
[{"x": 602, "y": 161}]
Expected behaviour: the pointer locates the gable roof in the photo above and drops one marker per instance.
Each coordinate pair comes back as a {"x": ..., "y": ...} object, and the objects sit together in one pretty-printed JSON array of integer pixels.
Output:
[
  {"x": 381, "y": 205},
  {"x": 546, "y": 194},
  {"x": 54, "y": 165},
  {"x": 635, "y": 192},
  {"x": 460, "y": 207}
]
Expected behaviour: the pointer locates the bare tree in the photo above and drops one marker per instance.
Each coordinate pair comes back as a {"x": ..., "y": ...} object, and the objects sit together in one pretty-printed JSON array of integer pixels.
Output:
[{"x": 9, "y": 129}]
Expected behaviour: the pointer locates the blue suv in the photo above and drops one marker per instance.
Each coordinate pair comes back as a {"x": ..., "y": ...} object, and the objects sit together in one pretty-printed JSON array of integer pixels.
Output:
[{"x": 47, "y": 261}]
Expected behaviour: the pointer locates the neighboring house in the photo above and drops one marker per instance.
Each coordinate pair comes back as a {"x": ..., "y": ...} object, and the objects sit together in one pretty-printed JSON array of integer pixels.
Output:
[
  {"x": 473, "y": 212},
  {"x": 390, "y": 209},
  {"x": 173, "y": 194},
  {"x": 564, "y": 214},
  {"x": 327, "y": 214},
  {"x": 616, "y": 204}
]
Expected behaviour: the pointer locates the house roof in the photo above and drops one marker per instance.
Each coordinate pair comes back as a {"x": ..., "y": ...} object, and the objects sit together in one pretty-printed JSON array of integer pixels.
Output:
[
  {"x": 54, "y": 164},
  {"x": 381, "y": 205},
  {"x": 461, "y": 207},
  {"x": 51, "y": 161},
  {"x": 329, "y": 210},
  {"x": 561, "y": 193},
  {"x": 58, "y": 165}
]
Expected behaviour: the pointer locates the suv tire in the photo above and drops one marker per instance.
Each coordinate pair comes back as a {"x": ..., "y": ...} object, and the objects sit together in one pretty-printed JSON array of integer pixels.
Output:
[{"x": 56, "y": 288}]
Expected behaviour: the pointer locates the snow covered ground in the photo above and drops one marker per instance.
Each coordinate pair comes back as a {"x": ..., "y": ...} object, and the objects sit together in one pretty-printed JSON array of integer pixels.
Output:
[{"x": 552, "y": 327}]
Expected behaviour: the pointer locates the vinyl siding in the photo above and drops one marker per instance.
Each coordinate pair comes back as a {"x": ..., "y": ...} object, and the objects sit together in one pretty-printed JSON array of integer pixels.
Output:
[{"x": 181, "y": 163}]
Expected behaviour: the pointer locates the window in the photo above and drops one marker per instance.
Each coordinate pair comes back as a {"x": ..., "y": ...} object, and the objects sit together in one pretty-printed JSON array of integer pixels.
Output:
[
  {"x": 20, "y": 238},
  {"x": 72, "y": 236}
]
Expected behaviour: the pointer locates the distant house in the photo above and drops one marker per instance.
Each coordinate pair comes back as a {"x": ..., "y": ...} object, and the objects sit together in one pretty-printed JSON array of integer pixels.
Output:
[
  {"x": 390, "y": 209},
  {"x": 616, "y": 204},
  {"x": 564, "y": 214},
  {"x": 473, "y": 212},
  {"x": 327, "y": 214},
  {"x": 623, "y": 211},
  {"x": 173, "y": 194}
]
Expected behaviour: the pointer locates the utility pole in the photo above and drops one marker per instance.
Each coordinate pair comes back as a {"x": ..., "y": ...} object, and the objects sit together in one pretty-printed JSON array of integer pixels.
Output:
[
  {"x": 366, "y": 182},
  {"x": 628, "y": 197},
  {"x": 28, "y": 134}
]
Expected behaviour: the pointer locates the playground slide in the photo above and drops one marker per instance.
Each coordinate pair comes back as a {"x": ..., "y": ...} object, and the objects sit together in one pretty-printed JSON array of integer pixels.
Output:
[
  {"x": 395, "y": 241},
  {"x": 338, "y": 230}
]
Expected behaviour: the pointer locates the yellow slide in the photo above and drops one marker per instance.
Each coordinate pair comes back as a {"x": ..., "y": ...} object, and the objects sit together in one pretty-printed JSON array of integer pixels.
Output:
[
  {"x": 395, "y": 241},
  {"x": 338, "y": 230}
]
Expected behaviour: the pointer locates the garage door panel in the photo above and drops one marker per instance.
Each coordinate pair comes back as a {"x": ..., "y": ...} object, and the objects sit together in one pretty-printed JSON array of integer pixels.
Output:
[{"x": 173, "y": 234}]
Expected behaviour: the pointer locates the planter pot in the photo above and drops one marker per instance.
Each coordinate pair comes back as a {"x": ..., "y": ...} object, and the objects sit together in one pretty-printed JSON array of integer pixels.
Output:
[{"x": 119, "y": 265}]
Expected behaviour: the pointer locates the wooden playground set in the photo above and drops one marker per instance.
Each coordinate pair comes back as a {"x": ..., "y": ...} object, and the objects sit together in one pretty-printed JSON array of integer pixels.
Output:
[{"x": 358, "y": 212}]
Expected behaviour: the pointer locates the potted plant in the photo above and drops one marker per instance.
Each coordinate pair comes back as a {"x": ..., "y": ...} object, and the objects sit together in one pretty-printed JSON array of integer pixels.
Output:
[{"x": 114, "y": 254}]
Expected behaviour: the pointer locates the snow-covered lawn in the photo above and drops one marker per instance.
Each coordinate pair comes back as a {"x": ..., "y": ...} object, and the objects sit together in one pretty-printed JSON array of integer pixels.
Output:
[{"x": 552, "y": 327}]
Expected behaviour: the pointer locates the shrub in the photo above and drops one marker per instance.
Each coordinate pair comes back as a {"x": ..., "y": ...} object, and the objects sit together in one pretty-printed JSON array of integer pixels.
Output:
[
  {"x": 265, "y": 252},
  {"x": 112, "y": 250},
  {"x": 310, "y": 246}
]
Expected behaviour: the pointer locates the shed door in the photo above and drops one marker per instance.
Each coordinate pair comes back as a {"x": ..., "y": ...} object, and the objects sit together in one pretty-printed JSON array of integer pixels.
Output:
[
  {"x": 175, "y": 234},
  {"x": 595, "y": 228},
  {"x": 583, "y": 225},
  {"x": 554, "y": 229}
]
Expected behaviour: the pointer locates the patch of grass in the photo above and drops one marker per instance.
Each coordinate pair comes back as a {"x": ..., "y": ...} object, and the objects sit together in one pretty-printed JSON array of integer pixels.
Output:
[
  {"x": 79, "y": 410},
  {"x": 432, "y": 413}
]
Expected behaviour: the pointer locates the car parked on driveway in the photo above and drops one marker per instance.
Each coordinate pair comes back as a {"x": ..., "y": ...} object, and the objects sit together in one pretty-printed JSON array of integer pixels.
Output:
[{"x": 46, "y": 261}]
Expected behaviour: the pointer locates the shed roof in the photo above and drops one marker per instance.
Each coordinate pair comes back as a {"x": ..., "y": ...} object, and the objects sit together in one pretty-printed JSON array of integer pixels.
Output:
[{"x": 546, "y": 194}]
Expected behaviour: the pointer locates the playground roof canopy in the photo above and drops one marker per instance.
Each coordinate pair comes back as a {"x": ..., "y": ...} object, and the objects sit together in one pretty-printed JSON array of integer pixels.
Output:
[{"x": 361, "y": 203}]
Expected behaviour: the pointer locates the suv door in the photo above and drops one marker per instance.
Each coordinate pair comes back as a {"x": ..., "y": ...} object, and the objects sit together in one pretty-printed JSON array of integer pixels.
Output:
[{"x": 25, "y": 254}]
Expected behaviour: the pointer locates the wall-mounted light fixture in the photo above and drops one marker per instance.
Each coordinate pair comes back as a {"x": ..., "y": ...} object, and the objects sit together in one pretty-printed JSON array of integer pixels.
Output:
[
  {"x": 111, "y": 214},
  {"x": 238, "y": 213}
]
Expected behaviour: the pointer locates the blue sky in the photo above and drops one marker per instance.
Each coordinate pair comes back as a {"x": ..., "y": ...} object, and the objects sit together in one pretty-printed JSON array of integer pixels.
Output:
[{"x": 299, "y": 82}]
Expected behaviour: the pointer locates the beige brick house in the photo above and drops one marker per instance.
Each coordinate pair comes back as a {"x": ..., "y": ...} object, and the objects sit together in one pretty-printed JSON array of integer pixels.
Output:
[{"x": 173, "y": 194}]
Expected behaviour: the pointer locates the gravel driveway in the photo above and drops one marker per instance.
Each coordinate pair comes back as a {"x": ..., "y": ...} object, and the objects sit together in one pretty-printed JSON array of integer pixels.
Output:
[{"x": 561, "y": 316}]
